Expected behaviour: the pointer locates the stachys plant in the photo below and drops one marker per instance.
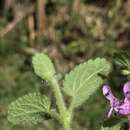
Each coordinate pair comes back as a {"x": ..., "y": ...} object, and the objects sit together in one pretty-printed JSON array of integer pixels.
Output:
[{"x": 79, "y": 84}]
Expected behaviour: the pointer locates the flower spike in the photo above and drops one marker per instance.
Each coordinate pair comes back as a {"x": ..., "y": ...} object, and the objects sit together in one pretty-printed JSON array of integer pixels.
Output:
[
  {"x": 114, "y": 102},
  {"x": 126, "y": 91}
]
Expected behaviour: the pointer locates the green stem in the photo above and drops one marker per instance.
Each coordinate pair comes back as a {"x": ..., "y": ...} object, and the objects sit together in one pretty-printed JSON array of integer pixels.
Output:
[
  {"x": 67, "y": 125},
  {"x": 61, "y": 104}
]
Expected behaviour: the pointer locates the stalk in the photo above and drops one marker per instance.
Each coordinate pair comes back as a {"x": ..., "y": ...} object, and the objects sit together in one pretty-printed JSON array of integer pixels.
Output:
[{"x": 65, "y": 116}]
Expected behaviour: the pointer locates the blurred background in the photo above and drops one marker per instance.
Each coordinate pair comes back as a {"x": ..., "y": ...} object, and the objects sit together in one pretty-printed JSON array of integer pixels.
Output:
[{"x": 70, "y": 32}]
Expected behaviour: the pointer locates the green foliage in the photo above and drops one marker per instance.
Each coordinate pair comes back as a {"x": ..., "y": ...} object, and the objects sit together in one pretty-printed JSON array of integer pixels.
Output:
[
  {"x": 115, "y": 127},
  {"x": 100, "y": 34},
  {"x": 28, "y": 109},
  {"x": 43, "y": 66},
  {"x": 123, "y": 60},
  {"x": 80, "y": 83},
  {"x": 84, "y": 80},
  {"x": 104, "y": 128}
]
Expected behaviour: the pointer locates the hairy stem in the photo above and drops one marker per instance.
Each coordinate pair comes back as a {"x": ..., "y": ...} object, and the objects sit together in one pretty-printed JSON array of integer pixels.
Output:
[
  {"x": 61, "y": 104},
  {"x": 67, "y": 125}
]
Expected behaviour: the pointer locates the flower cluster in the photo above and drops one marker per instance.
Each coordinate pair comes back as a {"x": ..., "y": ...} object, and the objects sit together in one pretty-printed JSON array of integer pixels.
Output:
[{"x": 120, "y": 107}]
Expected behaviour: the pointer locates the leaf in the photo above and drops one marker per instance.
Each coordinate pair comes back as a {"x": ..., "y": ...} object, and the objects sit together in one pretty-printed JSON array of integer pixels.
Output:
[
  {"x": 84, "y": 80},
  {"x": 122, "y": 58},
  {"x": 104, "y": 128},
  {"x": 113, "y": 121},
  {"x": 115, "y": 127},
  {"x": 28, "y": 109},
  {"x": 43, "y": 66}
]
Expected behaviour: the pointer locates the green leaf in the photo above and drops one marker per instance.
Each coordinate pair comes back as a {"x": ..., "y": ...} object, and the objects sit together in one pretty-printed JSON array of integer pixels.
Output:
[
  {"x": 84, "y": 80},
  {"x": 114, "y": 120},
  {"x": 122, "y": 58},
  {"x": 115, "y": 123},
  {"x": 28, "y": 109},
  {"x": 104, "y": 128},
  {"x": 43, "y": 66},
  {"x": 115, "y": 127}
]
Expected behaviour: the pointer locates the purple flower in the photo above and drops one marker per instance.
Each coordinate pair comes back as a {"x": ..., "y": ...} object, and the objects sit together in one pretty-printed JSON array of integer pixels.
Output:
[
  {"x": 126, "y": 90},
  {"x": 121, "y": 108}
]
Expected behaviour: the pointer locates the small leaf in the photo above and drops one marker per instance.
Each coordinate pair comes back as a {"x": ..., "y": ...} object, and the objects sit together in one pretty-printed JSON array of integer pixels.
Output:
[
  {"x": 28, "y": 109},
  {"x": 112, "y": 121},
  {"x": 115, "y": 123},
  {"x": 105, "y": 128},
  {"x": 115, "y": 127},
  {"x": 84, "y": 80},
  {"x": 43, "y": 66},
  {"x": 122, "y": 58}
]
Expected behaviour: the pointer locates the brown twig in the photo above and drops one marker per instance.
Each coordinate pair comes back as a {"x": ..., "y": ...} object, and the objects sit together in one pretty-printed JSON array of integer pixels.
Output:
[
  {"x": 41, "y": 17},
  {"x": 20, "y": 15}
]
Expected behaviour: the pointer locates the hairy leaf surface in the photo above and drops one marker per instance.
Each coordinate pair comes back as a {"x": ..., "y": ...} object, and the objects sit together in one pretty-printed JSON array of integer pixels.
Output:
[
  {"x": 84, "y": 80},
  {"x": 43, "y": 66},
  {"x": 28, "y": 109}
]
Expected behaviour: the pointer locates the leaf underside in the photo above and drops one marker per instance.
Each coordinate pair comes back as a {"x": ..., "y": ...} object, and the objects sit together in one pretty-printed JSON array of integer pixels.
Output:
[
  {"x": 28, "y": 109},
  {"x": 84, "y": 80}
]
